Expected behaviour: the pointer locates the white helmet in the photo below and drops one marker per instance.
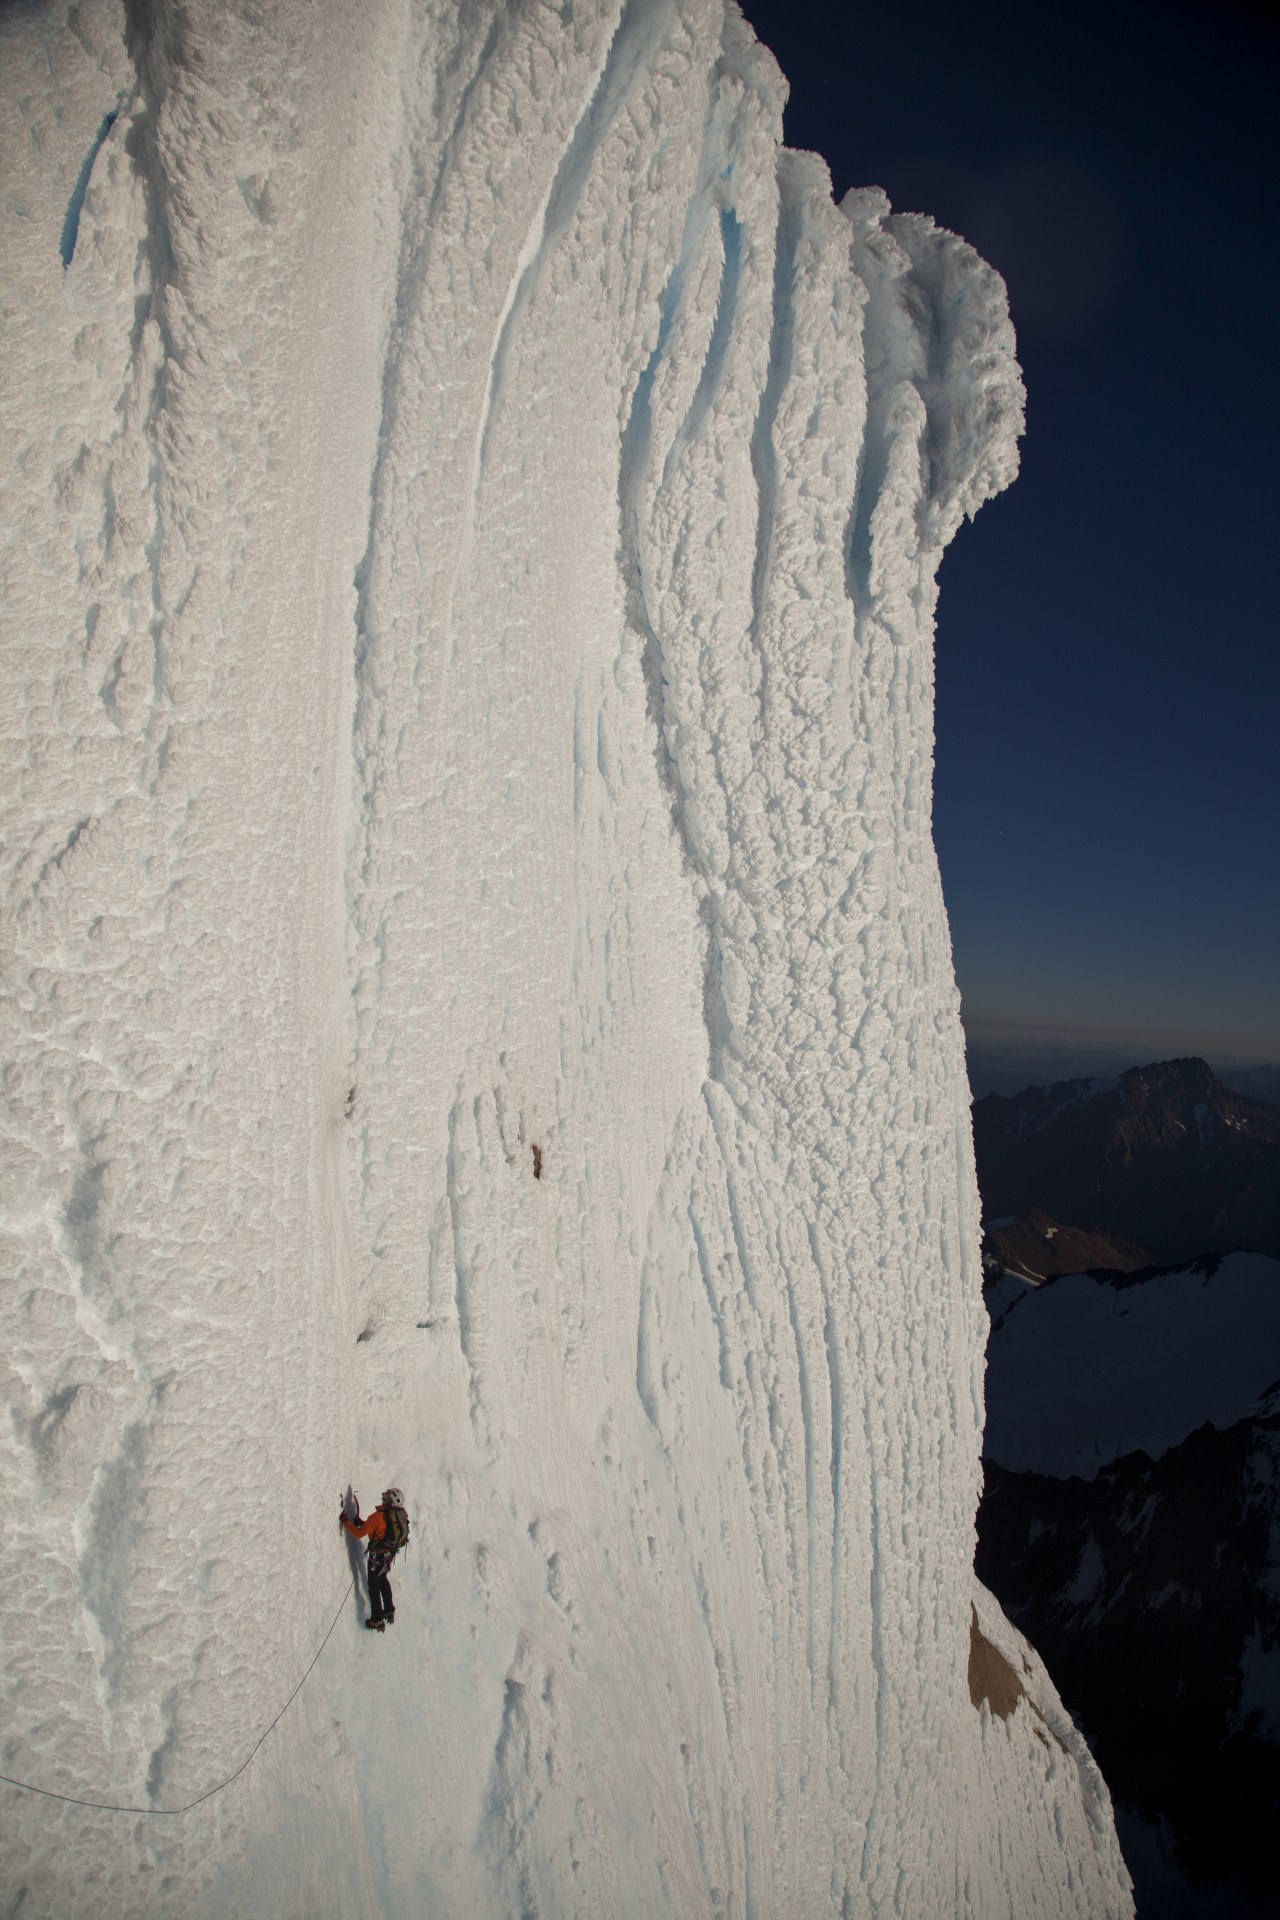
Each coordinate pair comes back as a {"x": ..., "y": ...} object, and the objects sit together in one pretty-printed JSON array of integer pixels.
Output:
[{"x": 393, "y": 1497}]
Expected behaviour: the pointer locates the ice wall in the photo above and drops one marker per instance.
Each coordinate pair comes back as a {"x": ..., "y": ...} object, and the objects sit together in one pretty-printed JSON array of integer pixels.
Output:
[{"x": 479, "y": 1004}]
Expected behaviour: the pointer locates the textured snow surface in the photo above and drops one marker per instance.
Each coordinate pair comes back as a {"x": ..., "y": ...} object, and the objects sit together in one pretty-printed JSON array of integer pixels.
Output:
[
  {"x": 478, "y": 1003},
  {"x": 1084, "y": 1369}
]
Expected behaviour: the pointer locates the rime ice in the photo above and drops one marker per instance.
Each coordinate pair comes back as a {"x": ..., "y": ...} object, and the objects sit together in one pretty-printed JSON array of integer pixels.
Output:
[{"x": 480, "y": 1008}]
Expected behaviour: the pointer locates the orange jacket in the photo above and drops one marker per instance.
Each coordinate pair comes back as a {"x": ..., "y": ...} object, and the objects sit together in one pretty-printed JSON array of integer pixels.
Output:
[{"x": 375, "y": 1527}]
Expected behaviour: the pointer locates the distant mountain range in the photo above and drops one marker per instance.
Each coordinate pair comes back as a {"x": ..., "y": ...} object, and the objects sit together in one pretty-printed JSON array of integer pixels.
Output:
[
  {"x": 1130, "y": 1523},
  {"x": 1165, "y": 1157},
  {"x": 1007, "y": 1065}
]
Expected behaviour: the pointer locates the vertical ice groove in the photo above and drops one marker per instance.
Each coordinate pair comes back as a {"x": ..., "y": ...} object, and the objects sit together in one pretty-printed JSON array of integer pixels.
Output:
[
  {"x": 729, "y": 1158},
  {"x": 635, "y": 480},
  {"x": 645, "y": 1382},
  {"x": 834, "y": 1384},
  {"x": 810, "y": 1470},
  {"x": 644, "y": 493},
  {"x": 714, "y": 1304},
  {"x": 637, "y": 437},
  {"x": 75, "y": 206},
  {"x": 763, "y": 456},
  {"x": 631, "y": 48},
  {"x": 150, "y": 366},
  {"x": 879, "y": 1680},
  {"x": 691, "y": 427},
  {"x": 463, "y": 1273},
  {"x": 432, "y": 164}
]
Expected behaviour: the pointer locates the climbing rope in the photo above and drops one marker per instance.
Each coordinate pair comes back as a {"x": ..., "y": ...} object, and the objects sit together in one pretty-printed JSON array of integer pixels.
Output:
[{"x": 108, "y": 1806}]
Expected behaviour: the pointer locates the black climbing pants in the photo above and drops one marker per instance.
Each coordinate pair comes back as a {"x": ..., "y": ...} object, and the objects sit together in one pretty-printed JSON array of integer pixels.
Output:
[{"x": 381, "y": 1602}]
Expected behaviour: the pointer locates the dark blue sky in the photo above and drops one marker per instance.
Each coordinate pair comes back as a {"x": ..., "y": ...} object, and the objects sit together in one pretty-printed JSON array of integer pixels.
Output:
[{"x": 1107, "y": 806}]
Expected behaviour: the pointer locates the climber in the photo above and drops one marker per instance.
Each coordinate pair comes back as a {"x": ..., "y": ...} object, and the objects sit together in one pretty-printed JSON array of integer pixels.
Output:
[{"x": 387, "y": 1530}]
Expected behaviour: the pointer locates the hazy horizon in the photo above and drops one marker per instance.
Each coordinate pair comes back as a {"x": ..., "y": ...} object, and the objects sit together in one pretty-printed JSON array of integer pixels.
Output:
[{"x": 1030, "y": 1037}]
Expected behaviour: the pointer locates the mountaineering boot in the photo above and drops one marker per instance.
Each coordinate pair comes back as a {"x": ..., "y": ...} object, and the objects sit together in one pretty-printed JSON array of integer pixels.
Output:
[
  {"x": 377, "y": 1624},
  {"x": 390, "y": 1618}
]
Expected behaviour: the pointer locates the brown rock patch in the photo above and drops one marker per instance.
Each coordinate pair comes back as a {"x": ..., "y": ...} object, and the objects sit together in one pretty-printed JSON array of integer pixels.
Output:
[{"x": 991, "y": 1678}]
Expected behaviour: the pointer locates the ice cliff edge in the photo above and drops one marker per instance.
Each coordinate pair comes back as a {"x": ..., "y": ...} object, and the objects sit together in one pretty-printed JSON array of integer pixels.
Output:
[{"x": 480, "y": 1009}]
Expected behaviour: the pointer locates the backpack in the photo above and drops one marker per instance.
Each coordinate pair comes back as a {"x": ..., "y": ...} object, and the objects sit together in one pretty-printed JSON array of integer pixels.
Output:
[{"x": 397, "y": 1522}]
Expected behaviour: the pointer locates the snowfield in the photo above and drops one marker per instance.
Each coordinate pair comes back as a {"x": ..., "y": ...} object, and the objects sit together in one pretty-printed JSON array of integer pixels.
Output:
[
  {"x": 1086, "y": 1368},
  {"x": 478, "y": 1003}
]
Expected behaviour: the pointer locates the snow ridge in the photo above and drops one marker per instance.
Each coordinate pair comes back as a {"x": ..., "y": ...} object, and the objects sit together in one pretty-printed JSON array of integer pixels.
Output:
[{"x": 527, "y": 1067}]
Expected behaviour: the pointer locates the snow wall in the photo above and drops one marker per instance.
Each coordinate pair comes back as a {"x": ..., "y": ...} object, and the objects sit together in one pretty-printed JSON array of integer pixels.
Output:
[{"x": 478, "y": 1003}]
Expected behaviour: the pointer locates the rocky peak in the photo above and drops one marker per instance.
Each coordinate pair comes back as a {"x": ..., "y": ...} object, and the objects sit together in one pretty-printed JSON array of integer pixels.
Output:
[
  {"x": 1178, "y": 1104},
  {"x": 1166, "y": 1156}
]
